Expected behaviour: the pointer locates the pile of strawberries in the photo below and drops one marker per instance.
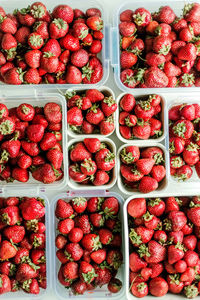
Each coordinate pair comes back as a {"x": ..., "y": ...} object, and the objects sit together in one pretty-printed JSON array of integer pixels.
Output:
[
  {"x": 142, "y": 169},
  {"x": 22, "y": 245},
  {"x": 184, "y": 140},
  {"x": 91, "y": 162},
  {"x": 89, "y": 243},
  {"x": 160, "y": 49},
  {"x": 38, "y": 46},
  {"x": 30, "y": 143},
  {"x": 140, "y": 118},
  {"x": 90, "y": 112},
  {"x": 165, "y": 243}
]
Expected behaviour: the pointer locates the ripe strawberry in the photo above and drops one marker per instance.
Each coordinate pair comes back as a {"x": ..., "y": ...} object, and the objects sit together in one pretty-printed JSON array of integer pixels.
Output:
[
  {"x": 79, "y": 204},
  {"x": 32, "y": 208},
  {"x": 158, "y": 287},
  {"x": 184, "y": 172},
  {"x": 137, "y": 207},
  {"x": 86, "y": 272},
  {"x": 93, "y": 71},
  {"x": 64, "y": 12},
  {"x": 10, "y": 215},
  {"x": 145, "y": 165},
  {"x": 191, "y": 11},
  {"x": 114, "y": 285},
  {"x": 140, "y": 235},
  {"x": 142, "y": 130},
  {"x": 183, "y": 128},
  {"x": 139, "y": 289},
  {"x": 79, "y": 287},
  {"x": 76, "y": 174},
  {"x": 136, "y": 263},
  {"x": 5, "y": 284},
  {"x": 15, "y": 233},
  {"x": 148, "y": 184},
  {"x": 7, "y": 250}
]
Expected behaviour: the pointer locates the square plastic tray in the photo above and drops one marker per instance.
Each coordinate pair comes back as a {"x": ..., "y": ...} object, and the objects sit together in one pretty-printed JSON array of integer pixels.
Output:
[
  {"x": 99, "y": 293},
  {"x": 74, "y": 185},
  {"x": 152, "y": 6},
  {"x": 104, "y": 56},
  {"x": 138, "y": 141},
  {"x": 130, "y": 191},
  {"x": 107, "y": 92},
  {"x": 43, "y": 292},
  {"x": 39, "y": 99}
]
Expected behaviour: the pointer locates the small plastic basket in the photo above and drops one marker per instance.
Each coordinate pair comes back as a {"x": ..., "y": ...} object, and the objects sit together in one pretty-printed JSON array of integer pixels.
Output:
[
  {"x": 150, "y": 140},
  {"x": 74, "y": 185},
  {"x": 98, "y": 293}
]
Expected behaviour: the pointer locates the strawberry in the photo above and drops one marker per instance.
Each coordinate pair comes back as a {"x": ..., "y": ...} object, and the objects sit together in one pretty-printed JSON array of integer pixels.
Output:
[
  {"x": 58, "y": 28},
  {"x": 142, "y": 130},
  {"x": 45, "y": 174},
  {"x": 197, "y": 168},
  {"x": 87, "y": 272},
  {"x": 73, "y": 75},
  {"x": 184, "y": 172},
  {"x": 76, "y": 174},
  {"x": 105, "y": 236},
  {"x": 14, "y": 76},
  {"x": 140, "y": 235},
  {"x": 175, "y": 253},
  {"x": 48, "y": 141},
  {"x": 10, "y": 215},
  {"x": 25, "y": 272},
  {"x": 127, "y": 102},
  {"x": 93, "y": 71},
  {"x": 79, "y": 153},
  {"x": 190, "y": 154},
  {"x": 139, "y": 289},
  {"x": 105, "y": 160},
  {"x": 148, "y": 184},
  {"x": 5, "y": 284},
  {"x": 145, "y": 165},
  {"x": 183, "y": 128},
  {"x": 136, "y": 263},
  {"x": 190, "y": 291},
  {"x": 65, "y": 226},
  {"x": 79, "y": 204},
  {"x": 79, "y": 287},
  {"x": 158, "y": 173},
  {"x": 70, "y": 271},
  {"x": 191, "y": 11},
  {"x": 64, "y": 12},
  {"x": 155, "y": 78},
  {"x": 15, "y": 233},
  {"x": 127, "y": 29},
  {"x": 188, "y": 52},
  {"x": 158, "y": 287},
  {"x": 7, "y": 250},
  {"x": 130, "y": 154},
  {"x": 83, "y": 223},
  {"x": 114, "y": 285},
  {"x": 130, "y": 173},
  {"x": 176, "y": 145},
  {"x": 154, "y": 59},
  {"x": 32, "y": 208},
  {"x": 137, "y": 207},
  {"x": 144, "y": 110}
]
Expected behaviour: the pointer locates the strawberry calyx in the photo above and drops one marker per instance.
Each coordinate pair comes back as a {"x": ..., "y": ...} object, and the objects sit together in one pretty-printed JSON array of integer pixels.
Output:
[
  {"x": 135, "y": 171},
  {"x": 35, "y": 40},
  {"x": 139, "y": 19},
  {"x": 139, "y": 76},
  {"x": 134, "y": 237},
  {"x": 130, "y": 80},
  {"x": 179, "y": 246},
  {"x": 1, "y": 282},
  {"x": 94, "y": 108},
  {"x": 6, "y": 127},
  {"x": 21, "y": 74},
  {"x": 68, "y": 256},
  {"x": 38, "y": 11},
  {"x": 179, "y": 201},
  {"x": 145, "y": 105},
  {"x": 23, "y": 11},
  {"x": 4, "y": 156},
  {"x": 158, "y": 158},
  {"x": 26, "y": 285},
  {"x": 192, "y": 204},
  {"x": 171, "y": 147},
  {"x": 2, "y": 18},
  {"x": 167, "y": 224},
  {"x": 143, "y": 251},
  {"x": 56, "y": 172},
  {"x": 165, "y": 49},
  {"x": 158, "y": 133},
  {"x": 128, "y": 122},
  {"x": 42, "y": 201},
  {"x": 104, "y": 265},
  {"x": 109, "y": 213},
  {"x": 42, "y": 259},
  {"x": 117, "y": 227},
  {"x": 109, "y": 157},
  {"x": 140, "y": 122},
  {"x": 196, "y": 135},
  {"x": 79, "y": 103},
  {"x": 141, "y": 286},
  {"x": 116, "y": 261},
  {"x": 190, "y": 291},
  {"x": 89, "y": 276},
  {"x": 110, "y": 119},
  {"x": 37, "y": 25},
  {"x": 187, "y": 79},
  {"x": 180, "y": 129},
  {"x": 109, "y": 101},
  {"x": 177, "y": 162},
  {"x": 16, "y": 286},
  {"x": 158, "y": 30},
  {"x": 32, "y": 225},
  {"x": 5, "y": 219},
  {"x": 153, "y": 202},
  {"x": 83, "y": 34},
  {"x": 25, "y": 109},
  {"x": 36, "y": 242},
  {"x": 79, "y": 201},
  {"x": 87, "y": 72},
  {"x": 192, "y": 147},
  {"x": 181, "y": 177},
  {"x": 99, "y": 24},
  {"x": 2, "y": 111},
  {"x": 48, "y": 54},
  {"x": 11, "y": 53},
  {"x": 102, "y": 146},
  {"x": 147, "y": 217},
  {"x": 175, "y": 279},
  {"x": 75, "y": 128},
  {"x": 127, "y": 157},
  {"x": 12, "y": 270},
  {"x": 96, "y": 244},
  {"x": 60, "y": 23},
  {"x": 187, "y": 8}
]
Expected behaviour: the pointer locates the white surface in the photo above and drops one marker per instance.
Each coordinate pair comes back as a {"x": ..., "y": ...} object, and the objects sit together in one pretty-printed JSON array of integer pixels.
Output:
[{"x": 109, "y": 6}]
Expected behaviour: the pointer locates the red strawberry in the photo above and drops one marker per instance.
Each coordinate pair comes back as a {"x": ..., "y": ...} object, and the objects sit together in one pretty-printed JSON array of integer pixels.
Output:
[
  {"x": 76, "y": 174},
  {"x": 145, "y": 165},
  {"x": 25, "y": 272},
  {"x": 127, "y": 102},
  {"x": 155, "y": 78},
  {"x": 58, "y": 28},
  {"x": 74, "y": 116},
  {"x": 130, "y": 154},
  {"x": 136, "y": 263},
  {"x": 139, "y": 289},
  {"x": 7, "y": 250},
  {"x": 10, "y": 215},
  {"x": 158, "y": 172},
  {"x": 187, "y": 52},
  {"x": 65, "y": 226},
  {"x": 114, "y": 285},
  {"x": 31, "y": 208},
  {"x": 15, "y": 233},
  {"x": 79, "y": 153},
  {"x": 190, "y": 154},
  {"x": 137, "y": 207},
  {"x": 183, "y": 128},
  {"x": 105, "y": 160},
  {"x": 140, "y": 235},
  {"x": 93, "y": 71},
  {"x": 14, "y": 76},
  {"x": 184, "y": 172},
  {"x": 63, "y": 209},
  {"x": 142, "y": 130},
  {"x": 79, "y": 204},
  {"x": 158, "y": 287},
  {"x": 148, "y": 184},
  {"x": 191, "y": 12},
  {"x": 175, "y": 253},
  {"x": 5, "y": 284}
]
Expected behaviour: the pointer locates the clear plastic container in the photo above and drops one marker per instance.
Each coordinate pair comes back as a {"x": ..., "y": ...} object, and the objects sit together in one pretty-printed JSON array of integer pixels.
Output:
[
  {"x": 191, "y": 98},
  {"x": 107, "y": 92},
  {"x": 152, "y": 6},
  {"x": 74, "y": 185},
  {"x": 179, "y": 193},
  {"x": 104, "y": 56},
  {"x": 162, "y": 186},
  {"x": 138, "y": 141},
  {"x": 43, "y": 292},
  {"x": 98, "y": 293},
  {"x": 38, "y": 99}
]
